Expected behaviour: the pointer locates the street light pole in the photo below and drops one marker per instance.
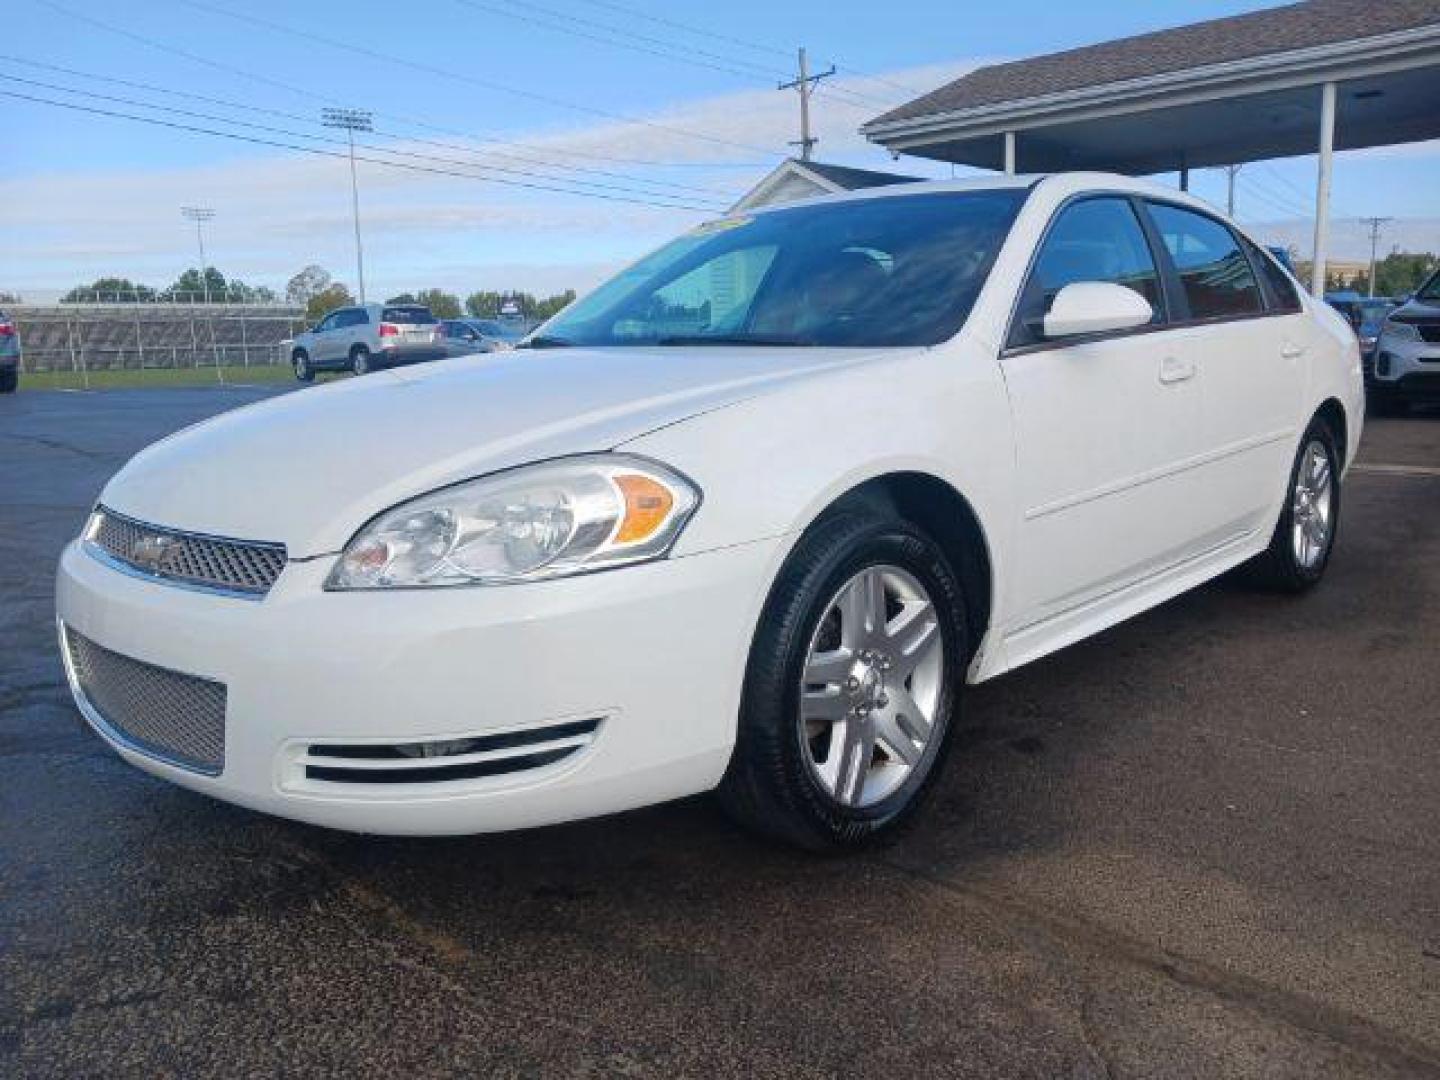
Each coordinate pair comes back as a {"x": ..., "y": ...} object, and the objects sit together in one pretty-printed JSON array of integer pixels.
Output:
[
  {"x": 352, "y": 120},
  {"x": 200, "y": 215}
]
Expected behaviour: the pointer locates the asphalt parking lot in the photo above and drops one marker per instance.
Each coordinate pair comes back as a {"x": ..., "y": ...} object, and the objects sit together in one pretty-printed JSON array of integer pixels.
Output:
[{"x": 1206, "y": 843}]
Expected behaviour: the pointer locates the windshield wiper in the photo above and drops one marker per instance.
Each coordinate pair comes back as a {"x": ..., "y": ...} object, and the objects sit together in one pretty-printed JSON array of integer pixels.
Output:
[
  {"x": 734, "y": 339},
  {"x": 545, "y": 341}
]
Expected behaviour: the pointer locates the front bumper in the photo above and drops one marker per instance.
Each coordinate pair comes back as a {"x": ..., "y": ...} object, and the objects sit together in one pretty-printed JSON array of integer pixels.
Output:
[
  {"x": 656, "y": 653},
  {"x": 1405, "y": 367}
]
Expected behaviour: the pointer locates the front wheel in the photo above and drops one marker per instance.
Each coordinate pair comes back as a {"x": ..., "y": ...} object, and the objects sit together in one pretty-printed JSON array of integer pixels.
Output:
[
  {"x": 1304, "y": 536},
  {"x": 852, "y": 686},
  {"x": 301, "y": 362}
]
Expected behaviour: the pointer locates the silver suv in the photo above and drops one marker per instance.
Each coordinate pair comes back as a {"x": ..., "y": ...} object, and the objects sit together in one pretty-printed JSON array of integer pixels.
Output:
[
  {"x": 1407, "y": 354},
  {"x": 367, "y": 337}
]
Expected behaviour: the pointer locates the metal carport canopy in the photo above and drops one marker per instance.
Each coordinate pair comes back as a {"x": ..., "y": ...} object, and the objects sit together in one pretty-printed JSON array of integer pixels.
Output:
[{"x": 1302, "y": 79}]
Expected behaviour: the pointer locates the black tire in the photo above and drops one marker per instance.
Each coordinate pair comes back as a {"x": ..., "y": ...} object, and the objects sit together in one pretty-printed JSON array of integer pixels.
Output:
[
  {"x": 1279, "y": 567},
  {"x": 300, "y": 360},
  {"x": 9, "y": 380},
  {"x": 360, "y": 361},
  {"x": 770, "y": 784}
]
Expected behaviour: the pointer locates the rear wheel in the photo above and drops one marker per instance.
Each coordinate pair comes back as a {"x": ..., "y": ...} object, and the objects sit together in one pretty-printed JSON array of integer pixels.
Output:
[
  {"x": 301, "y": 362},
  {"x": 1304, "y": 536},
  {"x": 360, "y": 362},
  {"x": 854, "y": 678},
  {"x": 9, "y": 380}
]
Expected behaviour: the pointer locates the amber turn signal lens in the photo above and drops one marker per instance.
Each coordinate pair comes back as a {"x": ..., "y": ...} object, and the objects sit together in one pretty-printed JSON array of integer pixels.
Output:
[{"x": 647, "y": 504}]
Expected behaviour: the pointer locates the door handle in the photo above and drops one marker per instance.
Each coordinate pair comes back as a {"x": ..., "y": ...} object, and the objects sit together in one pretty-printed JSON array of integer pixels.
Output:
[
  {"x": 1291, "y": 351},
  {"x": 1174, "y": 369}
]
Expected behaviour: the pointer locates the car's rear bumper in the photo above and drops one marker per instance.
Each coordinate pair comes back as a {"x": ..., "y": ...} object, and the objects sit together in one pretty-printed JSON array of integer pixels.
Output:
[
  {"x": 398, "y": 355},
  {"x": 655, "y": 653}
]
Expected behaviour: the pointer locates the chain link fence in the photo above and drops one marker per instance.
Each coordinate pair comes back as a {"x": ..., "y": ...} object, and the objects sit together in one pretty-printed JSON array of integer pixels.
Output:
[{"x": 114, "y": 332}]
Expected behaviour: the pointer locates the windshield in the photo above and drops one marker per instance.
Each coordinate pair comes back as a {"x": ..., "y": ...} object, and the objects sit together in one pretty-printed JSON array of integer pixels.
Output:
[
  {"x": 1430, "y": 291},
  {"x": 877, "y": 272}
]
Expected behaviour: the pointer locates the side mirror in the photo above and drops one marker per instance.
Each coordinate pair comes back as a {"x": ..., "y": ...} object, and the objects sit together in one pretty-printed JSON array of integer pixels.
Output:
[{"x": 1095, "y": 307}]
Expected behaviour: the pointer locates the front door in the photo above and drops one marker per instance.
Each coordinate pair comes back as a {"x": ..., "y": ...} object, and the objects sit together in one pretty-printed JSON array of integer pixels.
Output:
[{"x": 1106, "y": 428}]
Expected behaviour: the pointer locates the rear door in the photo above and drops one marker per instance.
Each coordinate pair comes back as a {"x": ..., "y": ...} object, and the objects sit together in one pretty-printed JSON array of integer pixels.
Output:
[
  {"x": 1246, "y": 336},
  {"x": 1105, "y": 425},
  {"x": 322, "y": 349}
]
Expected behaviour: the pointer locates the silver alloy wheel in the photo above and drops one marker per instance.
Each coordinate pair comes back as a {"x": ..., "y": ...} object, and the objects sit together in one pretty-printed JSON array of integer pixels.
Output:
[
  {"x": 871, "y": 685},
  {"x": 1312, "y": 504},
  {"x": 360, "y": 362},
  {"x": 302, "y": 367}
]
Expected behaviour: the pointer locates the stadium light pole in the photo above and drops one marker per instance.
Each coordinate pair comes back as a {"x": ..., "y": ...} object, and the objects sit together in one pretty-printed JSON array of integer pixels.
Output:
[
  {"x": 352, "y": 120},
  {"x": 200, "y": 215}
]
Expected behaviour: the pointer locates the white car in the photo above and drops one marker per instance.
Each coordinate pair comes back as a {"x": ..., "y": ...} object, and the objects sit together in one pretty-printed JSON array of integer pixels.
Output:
[{"x": 750, "y": 516}]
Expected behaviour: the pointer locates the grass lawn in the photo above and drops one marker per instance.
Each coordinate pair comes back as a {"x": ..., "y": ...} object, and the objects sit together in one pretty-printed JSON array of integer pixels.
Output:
[{"x": 152, "y": 377}]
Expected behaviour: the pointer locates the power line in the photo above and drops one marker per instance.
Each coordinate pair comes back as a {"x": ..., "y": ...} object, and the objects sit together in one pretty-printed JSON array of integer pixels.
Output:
[
  {"x": 459, "y": 76},
  {"x": 691, "y": 57},
  {"x": 283, "y": 114},
  {"x": 252, "y": 76},
  {"x": 746, "y": 43},
  {"x": 261, "y": 141},
  {"x": 1376, "y": 224},
  {"x": 575, "y": 187}
]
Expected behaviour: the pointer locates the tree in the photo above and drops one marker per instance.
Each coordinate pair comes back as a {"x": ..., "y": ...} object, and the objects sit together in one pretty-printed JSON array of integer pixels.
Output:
[
  {"x": 551, "y": 305},
  {"x": 403, "y": 298},
  {"x": 307, "y": 284},
  {"x": 483, "y": 305},
  {"x": 333, "y": 296},
  {"x": 442, "y": 305},
  {"x": 193, "y": 287},
  {"x": 109, "y": 290}
]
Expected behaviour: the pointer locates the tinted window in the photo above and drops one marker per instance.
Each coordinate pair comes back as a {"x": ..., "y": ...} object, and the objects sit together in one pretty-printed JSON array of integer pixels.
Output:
[
  {"x": 1430, "y": 291},
  {"x": 415, "y": 316},
  {"x": 1214, "y": 273},
  {"x": 1091, "y": 240},
  {"x": 873, "y": 272},
  {"x": 330, "y": 322},
  {"x": 352, "y": 317},
  {"x": 1279, "y": 286}
]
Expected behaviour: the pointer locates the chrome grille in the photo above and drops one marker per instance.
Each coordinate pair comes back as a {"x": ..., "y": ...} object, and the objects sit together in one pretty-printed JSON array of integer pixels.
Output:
[
  {"x": 245, "y": 567},
  {"x": 166, "y": 714}
]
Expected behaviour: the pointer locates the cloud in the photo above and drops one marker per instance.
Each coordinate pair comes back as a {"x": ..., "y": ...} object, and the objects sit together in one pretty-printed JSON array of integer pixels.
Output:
[{"x": 279, "y": 210}]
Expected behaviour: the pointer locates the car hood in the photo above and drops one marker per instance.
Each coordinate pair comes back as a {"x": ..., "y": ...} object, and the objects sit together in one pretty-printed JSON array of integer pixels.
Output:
[{"x": 308, "y": 468}]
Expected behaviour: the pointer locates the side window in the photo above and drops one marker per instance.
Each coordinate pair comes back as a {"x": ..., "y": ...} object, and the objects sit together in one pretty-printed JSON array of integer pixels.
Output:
[
  {"x": 1092, "y": 240},
  {"x": 1214, "y": 273},
  {"x": 328, "y": 323},
  {"x": 359, "y": 317},
  {"x": 1279, "y": 288}
]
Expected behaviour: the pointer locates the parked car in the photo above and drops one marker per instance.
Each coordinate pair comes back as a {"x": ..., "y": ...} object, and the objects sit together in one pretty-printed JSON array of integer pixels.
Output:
[
  {"x": 1370, "y": 314},
  {"x": 9, "y": 355},
  {"x": 1407, "y": 353},
  {"x": 366, "y": 337},
  {"x": 763, "y": 508},
  {"x": 466, "y": 336}
]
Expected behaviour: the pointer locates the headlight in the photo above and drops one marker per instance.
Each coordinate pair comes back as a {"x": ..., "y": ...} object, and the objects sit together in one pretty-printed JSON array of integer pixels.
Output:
[
  {"x": 1401, "y": 331},
  {"x": 540, "y": 521}
]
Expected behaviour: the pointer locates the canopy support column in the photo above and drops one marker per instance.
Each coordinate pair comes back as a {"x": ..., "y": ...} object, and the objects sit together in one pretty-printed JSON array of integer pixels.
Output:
[
  {"x": 1322, "y": 189},
  {"x": 1009, "y": 153}
]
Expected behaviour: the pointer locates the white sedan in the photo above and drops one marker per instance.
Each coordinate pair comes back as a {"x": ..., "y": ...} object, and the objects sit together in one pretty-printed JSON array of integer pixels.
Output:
[{"x": 749, "y": 517}]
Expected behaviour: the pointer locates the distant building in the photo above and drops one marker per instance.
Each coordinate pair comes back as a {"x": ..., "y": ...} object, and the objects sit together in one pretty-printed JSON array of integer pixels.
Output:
[{"x": 794, "y": 179}]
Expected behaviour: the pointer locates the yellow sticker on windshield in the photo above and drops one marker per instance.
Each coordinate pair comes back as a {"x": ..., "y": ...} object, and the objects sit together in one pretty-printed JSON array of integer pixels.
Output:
[{"x": 721, "y": 225}]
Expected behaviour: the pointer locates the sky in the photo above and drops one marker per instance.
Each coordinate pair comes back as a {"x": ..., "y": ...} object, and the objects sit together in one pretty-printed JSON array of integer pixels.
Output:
[{"x": 613, "y": 124}]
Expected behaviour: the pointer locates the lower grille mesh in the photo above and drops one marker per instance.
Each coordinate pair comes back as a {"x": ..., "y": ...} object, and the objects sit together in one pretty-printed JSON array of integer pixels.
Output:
[{"x": 176, "y": 717}]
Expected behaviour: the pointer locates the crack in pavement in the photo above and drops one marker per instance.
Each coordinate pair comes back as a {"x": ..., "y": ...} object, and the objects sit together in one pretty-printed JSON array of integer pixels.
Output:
[{"x": 1296, "y": 1010}]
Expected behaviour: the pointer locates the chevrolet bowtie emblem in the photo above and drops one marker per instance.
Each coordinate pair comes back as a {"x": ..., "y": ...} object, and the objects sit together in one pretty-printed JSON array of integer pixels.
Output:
[{"x": 152, "y": 552}]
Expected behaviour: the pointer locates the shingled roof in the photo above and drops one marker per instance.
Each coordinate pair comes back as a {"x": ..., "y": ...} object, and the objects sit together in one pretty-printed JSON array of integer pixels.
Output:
[{"x": 1239, "y": 37}]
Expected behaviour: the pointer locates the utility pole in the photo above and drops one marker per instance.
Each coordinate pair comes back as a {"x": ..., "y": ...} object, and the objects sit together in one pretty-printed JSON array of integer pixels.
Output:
[
  {"x": 352, "y": 120},
  {"x": 1231, "y": 171},
  {"x": 805, "y": 85},
  {"x": 200, "y": 215},
  {"x": 1376, "y": 224}
]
